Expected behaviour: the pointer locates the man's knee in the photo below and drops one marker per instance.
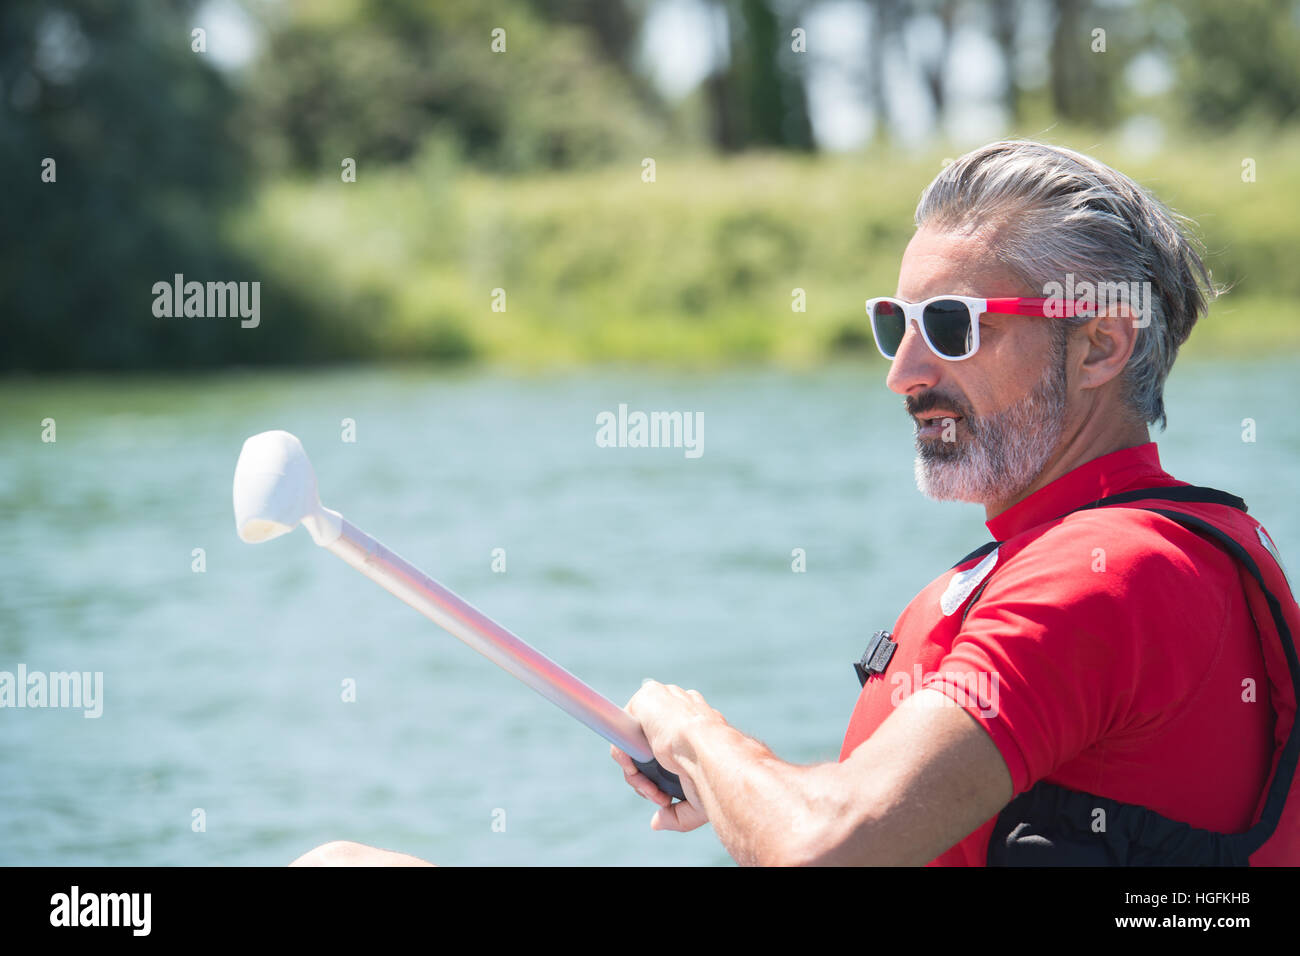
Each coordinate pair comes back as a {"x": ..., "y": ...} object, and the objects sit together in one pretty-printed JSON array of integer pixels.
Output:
[{"x": 348, "y": 853}]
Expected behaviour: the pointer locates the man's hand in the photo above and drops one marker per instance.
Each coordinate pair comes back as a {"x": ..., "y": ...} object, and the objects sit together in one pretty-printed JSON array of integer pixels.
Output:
[{"x": 667, "y": 715}]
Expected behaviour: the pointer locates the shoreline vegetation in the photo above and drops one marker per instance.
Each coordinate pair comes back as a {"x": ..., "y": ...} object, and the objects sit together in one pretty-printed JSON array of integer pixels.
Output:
[
  {"x": 701, "y": 265},
  {"x": 705, "y": 266}
]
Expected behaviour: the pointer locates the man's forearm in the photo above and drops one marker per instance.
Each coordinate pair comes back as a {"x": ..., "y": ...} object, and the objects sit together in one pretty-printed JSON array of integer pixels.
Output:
[{"x": 764, "y": 810}]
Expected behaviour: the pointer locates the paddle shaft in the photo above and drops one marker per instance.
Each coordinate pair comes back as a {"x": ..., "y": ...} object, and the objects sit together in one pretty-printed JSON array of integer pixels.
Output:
[{"x": 464, "y": 621}]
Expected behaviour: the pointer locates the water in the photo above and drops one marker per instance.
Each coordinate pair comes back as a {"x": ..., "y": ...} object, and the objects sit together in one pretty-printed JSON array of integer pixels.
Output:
[{"x": 223, "y": 689}]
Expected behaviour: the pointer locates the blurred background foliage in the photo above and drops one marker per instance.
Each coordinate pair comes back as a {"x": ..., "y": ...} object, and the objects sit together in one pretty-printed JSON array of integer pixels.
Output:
[{"x": 522, "y": 170}]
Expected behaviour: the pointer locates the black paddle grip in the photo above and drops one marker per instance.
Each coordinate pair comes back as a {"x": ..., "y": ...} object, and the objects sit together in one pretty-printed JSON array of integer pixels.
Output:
[{"x": 661, "y": 778}]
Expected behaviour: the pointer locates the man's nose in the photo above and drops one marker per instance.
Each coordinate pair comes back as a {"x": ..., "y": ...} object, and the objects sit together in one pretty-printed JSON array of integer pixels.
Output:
[{"x": 914, "y": 365}]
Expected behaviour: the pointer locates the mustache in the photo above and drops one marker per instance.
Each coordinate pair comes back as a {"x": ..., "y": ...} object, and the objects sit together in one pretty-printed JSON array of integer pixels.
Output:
[{"x": 918, "y": 405}]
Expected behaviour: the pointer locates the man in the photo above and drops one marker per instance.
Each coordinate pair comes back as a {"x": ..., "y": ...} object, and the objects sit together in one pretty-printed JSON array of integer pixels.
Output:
[
  {"x": 1115, "y": 684},
  {"x": 1106, "y": 665}
]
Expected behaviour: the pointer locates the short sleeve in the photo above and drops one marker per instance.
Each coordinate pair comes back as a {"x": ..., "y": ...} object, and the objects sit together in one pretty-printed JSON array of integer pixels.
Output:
[{"x": 1082, "y": 635}]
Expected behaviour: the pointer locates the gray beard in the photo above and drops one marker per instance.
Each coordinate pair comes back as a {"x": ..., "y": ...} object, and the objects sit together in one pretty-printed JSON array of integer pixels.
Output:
[{"x": 1001, "y": 455}]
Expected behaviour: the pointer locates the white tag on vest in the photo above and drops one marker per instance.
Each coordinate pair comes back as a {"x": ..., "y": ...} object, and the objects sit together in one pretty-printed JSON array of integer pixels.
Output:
[
  {"x": 1271, "y": 548},
  {"x": 963, "y": 583}
]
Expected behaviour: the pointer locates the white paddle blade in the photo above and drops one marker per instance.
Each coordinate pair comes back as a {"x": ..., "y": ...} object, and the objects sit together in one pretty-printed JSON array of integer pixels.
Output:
[{"x": 275, "y": 491}]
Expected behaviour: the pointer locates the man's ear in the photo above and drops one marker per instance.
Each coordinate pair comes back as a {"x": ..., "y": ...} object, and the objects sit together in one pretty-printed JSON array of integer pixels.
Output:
[{"x": 1108, "y": 339}]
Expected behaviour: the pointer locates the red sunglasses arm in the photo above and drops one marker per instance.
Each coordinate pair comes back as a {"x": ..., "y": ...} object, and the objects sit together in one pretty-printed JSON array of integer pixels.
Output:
[{"x": 1032, "y": 307}]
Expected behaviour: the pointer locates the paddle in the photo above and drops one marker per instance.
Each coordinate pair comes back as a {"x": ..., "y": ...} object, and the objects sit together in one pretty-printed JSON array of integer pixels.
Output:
[{"x": 275, "y": 491}]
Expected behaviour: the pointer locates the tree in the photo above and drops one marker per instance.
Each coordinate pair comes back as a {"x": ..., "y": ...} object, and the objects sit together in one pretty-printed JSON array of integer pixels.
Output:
[
  {"x": 137, "y": 126},
  {"x": 757, "y": 97},
  {"x": 1237, "y": 60}
]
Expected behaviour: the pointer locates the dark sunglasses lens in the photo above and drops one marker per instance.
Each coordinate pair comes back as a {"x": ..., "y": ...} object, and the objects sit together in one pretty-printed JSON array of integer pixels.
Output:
[
  {"x": 948, "y": 325},
  {"x": 888, "y": 324}
]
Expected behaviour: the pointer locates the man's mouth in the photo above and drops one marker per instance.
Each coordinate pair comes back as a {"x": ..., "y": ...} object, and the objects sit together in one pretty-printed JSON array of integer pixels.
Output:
[{"x": 934, "y": 425}]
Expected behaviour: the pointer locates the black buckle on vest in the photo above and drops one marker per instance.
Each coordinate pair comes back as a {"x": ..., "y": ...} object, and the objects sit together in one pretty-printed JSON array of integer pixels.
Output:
[{"x": 876, "y": 657}]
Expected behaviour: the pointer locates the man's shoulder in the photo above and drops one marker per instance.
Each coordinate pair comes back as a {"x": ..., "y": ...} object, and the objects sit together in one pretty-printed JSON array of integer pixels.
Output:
[
  {"x": 1096, "y": 575},
  {"x": 1116, "y": 552},
  {"x": 1120, "y": 536}
]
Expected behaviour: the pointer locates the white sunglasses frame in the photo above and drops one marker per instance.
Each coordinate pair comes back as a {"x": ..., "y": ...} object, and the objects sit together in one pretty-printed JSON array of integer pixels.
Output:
[{"x": 914, "y": 312}]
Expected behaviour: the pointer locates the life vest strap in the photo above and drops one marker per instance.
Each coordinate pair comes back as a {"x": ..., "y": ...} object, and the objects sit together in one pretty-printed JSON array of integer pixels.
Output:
[
  {"x": 1187, "y": 493},
  {"x": 1280, "y": 787}
]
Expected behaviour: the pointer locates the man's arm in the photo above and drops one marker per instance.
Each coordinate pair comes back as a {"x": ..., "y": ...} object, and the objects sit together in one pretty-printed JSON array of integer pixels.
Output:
[{"x": 926, "y": 779}]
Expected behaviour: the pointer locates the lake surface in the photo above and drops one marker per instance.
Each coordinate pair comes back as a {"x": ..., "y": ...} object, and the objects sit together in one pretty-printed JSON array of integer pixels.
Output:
[{"x": 223, "y": 689}]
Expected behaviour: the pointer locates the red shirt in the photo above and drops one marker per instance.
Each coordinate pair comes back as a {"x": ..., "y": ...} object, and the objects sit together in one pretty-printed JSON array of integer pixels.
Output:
[{"x": 1109, "y": 654}]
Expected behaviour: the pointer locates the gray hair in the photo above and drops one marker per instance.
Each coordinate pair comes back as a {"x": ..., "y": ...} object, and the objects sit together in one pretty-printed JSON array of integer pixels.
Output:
[{"x": 1056, "y": 212}]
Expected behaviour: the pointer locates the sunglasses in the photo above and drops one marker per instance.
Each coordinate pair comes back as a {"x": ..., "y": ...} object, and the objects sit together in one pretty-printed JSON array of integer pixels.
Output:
[{"x": 949, "y": 324}]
